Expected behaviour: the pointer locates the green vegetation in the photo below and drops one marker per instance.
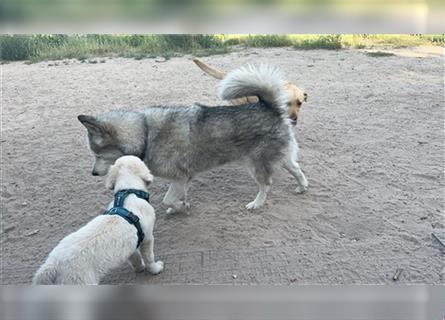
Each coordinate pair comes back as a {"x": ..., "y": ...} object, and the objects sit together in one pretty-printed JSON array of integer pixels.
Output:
[
  {"x": 391, "y": 40},
  {"x": 35, "y": 48},
  {"x": 54, "y": 47},
  {"x": 328, "y": 42}
]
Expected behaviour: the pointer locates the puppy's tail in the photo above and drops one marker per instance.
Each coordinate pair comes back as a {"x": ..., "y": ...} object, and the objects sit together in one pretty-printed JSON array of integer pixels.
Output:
[
  {"x": 47, "y": 274},
  {"x": 264, "y": 81}
]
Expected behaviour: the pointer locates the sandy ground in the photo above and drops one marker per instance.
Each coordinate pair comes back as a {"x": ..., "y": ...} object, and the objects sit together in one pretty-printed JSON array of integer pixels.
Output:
[{"x": 371, "y": 139}]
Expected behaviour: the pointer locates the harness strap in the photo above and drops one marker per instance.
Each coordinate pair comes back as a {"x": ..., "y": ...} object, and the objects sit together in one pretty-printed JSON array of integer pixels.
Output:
[
  {"x": 120, "y": 196},
  {"x": 131, "y": 218}
]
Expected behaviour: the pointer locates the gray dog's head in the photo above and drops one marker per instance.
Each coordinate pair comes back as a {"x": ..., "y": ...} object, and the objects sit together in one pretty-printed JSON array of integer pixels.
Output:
[{"x": 111, "y": 136}]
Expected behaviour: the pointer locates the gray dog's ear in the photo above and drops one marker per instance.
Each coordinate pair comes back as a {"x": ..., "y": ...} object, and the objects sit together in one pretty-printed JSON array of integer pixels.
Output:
[{"x": 92, "y": 124}]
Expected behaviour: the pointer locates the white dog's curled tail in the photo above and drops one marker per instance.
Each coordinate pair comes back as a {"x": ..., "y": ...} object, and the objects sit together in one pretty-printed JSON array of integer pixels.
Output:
[
  {"x": 46, "y": 274},
  {"x": 263, "y": 81}
]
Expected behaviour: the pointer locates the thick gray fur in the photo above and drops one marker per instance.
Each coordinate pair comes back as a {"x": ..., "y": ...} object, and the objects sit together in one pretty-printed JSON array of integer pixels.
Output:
[{"x": 178, "y": 142}]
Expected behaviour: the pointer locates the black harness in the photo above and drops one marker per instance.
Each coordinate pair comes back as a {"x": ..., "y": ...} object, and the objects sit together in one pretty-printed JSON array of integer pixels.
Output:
[{"x": 118, "y": 209}]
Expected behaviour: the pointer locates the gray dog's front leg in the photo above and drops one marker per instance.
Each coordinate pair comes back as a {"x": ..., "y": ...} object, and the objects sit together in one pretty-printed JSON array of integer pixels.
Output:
[{"x": 176, "y": 197}]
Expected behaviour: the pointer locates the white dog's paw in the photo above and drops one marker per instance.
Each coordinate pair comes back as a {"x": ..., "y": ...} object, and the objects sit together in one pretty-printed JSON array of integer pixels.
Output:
[
  {"x": 253, "y": 205},
  {"x": 156, "y": 267}
]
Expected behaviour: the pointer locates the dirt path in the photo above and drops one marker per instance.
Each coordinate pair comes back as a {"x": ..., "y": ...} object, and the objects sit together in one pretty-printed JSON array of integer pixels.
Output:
[{"x": 371, "y": 138}]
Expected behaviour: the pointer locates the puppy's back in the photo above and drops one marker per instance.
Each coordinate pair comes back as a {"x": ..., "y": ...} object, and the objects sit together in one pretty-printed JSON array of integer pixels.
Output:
[
  {"x": 88, "y": 253},
  {"x": 47, "y": 274}
]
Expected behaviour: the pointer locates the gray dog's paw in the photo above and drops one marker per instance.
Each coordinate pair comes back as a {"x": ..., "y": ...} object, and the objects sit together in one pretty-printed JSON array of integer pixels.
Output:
[
  {"x": 184, "y": 208},
  {"x": 253, "y": 205},
  {"x": 301, "y": 189},
  {"x": 139, "y": 269}
]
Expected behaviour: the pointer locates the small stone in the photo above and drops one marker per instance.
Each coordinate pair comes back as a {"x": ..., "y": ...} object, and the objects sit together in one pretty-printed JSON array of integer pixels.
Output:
[
  {"x": 292, "y": 280},
  {"x": 397, "y": 274},
  {"x": 25, "y": 203},
  {"x": 32, "y": 233},
  {"x": 234, "y": 276},
  {"x": 6, "y": 194},
  {"x": 8, "y": 229}
]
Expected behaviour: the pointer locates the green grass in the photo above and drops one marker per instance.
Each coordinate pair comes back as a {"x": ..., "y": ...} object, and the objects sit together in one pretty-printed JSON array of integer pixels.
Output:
[
  {"x": 54, "y": 47},
  {"x": 391, "y": 40},
  {"x": 34, "y": 48},
  {"x": 327, "y": 42},
  {"x": 266, "y": 41}
]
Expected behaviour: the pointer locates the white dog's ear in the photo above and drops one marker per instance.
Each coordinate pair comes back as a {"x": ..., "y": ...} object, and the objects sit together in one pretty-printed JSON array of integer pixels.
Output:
[
  {"x": 112, "y": 176},
  {"x": 145, "y": 174}
]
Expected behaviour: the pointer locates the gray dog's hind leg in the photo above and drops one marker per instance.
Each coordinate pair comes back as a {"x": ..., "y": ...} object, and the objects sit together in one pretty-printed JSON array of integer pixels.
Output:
[
  {"x": 263, "y": 177},
  {"x": 290, "y": 163},
  {"x": 176, "y": 197}
]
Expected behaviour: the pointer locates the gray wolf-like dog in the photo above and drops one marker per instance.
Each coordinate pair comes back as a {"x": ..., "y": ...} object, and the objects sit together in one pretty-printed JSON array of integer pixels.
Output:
[
  {"x": 178, "y": 142},
  {"x": 107, "y": 241}
]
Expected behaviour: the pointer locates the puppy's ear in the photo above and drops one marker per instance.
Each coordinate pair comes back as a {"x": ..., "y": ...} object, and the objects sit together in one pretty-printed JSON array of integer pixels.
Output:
[
  {"x": 112, "y": 176},
  {"x": 145, "y": 174},
  {"x": 93, "y": 125},
  {"x": 305, "y": 96}
]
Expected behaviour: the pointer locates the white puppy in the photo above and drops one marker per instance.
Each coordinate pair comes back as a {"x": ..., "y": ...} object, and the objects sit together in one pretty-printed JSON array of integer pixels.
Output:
[{"x": 109, "y": 240}]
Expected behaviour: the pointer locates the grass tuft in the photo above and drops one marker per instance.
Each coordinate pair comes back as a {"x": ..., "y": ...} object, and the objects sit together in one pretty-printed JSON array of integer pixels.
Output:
[{"x": 328, "y": 42}]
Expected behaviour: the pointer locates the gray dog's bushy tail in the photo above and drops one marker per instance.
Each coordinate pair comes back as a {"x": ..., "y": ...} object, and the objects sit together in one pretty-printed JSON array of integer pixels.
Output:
[
  {"x": 47, "y": 274},
  {"x": 264, "y": 81}
]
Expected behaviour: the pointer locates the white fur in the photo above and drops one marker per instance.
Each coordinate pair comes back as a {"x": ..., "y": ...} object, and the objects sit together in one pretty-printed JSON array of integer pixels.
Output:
[
  {"x": 264, "y": 81},
  {"x": 107, "y": 241},
  {"x": 290, "y": 163}
]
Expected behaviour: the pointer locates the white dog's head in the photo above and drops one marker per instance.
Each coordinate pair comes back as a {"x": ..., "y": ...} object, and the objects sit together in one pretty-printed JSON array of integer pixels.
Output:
[{"x": 130, "y": 166}]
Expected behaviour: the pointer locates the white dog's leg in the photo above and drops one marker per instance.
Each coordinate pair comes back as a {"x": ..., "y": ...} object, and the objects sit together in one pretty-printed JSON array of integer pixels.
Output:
[
  {"x": 137, "y": 262},
  {"x": 291, "y": 165},
  {"x": 176, "y": 197},
  {"x": 149, "y": 257}
]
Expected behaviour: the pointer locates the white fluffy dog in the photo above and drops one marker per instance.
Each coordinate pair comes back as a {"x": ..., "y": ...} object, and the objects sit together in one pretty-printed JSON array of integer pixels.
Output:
[{"x": 109, "y": 240}]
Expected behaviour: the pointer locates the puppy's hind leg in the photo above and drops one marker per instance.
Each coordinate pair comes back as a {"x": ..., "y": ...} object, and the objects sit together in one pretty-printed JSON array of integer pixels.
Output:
[
  {"x": 263, "y": 177},
  {"x": 290, "y": 163},
  {"x": 176, "y": 197},
  {"x": 147, "y": 253},
  {"x": 136, "y": 261}
]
